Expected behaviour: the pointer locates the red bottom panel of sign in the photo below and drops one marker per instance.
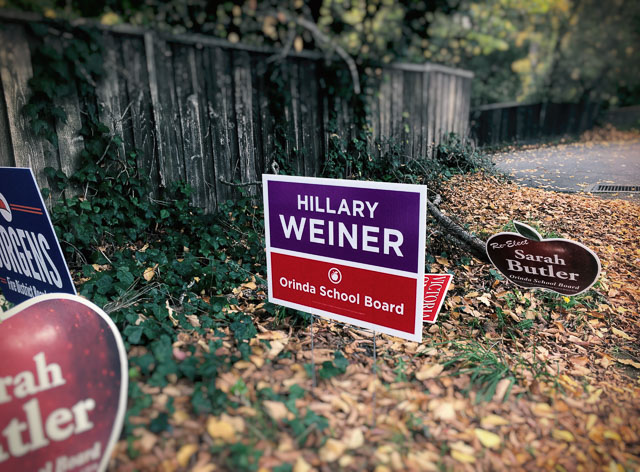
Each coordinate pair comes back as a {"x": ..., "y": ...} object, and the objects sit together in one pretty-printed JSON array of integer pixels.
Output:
[{"x": 381, "y": 299}]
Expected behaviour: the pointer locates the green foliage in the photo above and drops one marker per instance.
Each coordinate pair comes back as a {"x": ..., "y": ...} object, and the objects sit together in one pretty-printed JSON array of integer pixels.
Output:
[
  {"x": 243, "y": 330},
  {"x": 238, "y": 456},
  {"x": 333, "y": 368},
  {"x": 399, "y": 370},
  {"x": 286, "y": 467},
  {"x": 546, "y": 50},
  {"x": 556, "y": 302},
  {"x": 71, "y": 61},
  {"x": 243, "y": 457},
  {"x": 459, "y": 155},
  {"x": 483, "y": 366},
  {"x": 295, "y": 392},
  {"x": 157, "y": 265},
  {"x": 354, "y": 160},
  {"x": 303, "y": 426}
]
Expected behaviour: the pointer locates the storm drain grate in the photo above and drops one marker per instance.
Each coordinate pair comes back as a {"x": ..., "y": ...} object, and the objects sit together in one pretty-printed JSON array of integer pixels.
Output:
[{"x": 603, "y": 188}]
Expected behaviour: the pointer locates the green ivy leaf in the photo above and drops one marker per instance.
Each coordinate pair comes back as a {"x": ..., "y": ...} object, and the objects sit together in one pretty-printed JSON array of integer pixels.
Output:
[
  {"x": 160, "y": 423},
  {"x": 337, "y": 367},
  {"x": 243, "y": 328},
  {"x": 133, "y": 334}
]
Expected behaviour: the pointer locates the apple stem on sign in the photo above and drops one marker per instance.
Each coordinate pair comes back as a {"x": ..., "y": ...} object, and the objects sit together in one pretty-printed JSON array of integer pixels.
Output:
[{"x": 527, "y": 231}]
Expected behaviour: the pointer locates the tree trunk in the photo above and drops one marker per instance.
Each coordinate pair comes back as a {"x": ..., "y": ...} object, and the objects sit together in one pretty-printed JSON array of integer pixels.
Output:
[{"x": 457, "y": 234}]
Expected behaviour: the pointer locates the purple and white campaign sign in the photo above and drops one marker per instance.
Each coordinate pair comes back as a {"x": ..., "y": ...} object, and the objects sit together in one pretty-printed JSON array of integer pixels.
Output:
[
  {"x": 31, "y": 262},
  {"x": 348, "y": 250},
  {"x": 356, "y": 225}
]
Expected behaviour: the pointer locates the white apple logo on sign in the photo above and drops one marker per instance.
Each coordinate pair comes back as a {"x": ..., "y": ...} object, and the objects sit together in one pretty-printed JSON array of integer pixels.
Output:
[{"x": 335, "y": 275}]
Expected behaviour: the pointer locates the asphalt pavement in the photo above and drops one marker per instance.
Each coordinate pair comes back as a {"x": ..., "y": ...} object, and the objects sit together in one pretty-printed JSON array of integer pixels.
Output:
[{"x": 577, "y": 167}]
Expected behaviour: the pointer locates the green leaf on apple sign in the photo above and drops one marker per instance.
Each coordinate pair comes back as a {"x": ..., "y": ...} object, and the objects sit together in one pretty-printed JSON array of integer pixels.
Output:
[{"x": 527, "y": 231}]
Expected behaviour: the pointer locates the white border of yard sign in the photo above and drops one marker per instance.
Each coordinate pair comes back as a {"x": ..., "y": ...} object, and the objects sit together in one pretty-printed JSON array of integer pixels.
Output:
[{"x": 421, "y": 190}]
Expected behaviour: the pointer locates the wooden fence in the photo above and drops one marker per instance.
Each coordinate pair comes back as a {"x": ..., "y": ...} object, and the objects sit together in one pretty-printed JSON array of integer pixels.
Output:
[
  {"x": 198, "y": 109},
  {"x": 624, "y": 118},
  {"x": 504, "y": 123}
]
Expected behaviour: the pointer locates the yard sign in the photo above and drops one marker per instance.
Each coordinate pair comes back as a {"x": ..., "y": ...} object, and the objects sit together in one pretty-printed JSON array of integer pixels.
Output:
[
  {"x": 63, "y": 385},
  {"x": 348, "y": 250},
  {"x": 435, "y": 289},
  {"x": 31, "y": 262}
]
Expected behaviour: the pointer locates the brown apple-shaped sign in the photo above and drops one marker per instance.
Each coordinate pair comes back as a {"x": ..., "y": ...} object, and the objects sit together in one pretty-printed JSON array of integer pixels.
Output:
[
  {"x": 63, "y": 385},
  {"x": 526, "y": 259}
]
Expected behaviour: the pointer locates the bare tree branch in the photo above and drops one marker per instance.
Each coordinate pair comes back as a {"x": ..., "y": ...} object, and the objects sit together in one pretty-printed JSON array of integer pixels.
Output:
[
  {"x": 284, "y": 52},
  {"x": 323, "y": 39},
  {"x": 241, "y": 184},
  {"x": 456, "y": 233}
]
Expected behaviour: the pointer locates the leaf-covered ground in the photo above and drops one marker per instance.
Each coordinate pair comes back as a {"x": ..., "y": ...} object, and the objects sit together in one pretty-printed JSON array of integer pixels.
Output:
[{"x": 506, "y": 379}]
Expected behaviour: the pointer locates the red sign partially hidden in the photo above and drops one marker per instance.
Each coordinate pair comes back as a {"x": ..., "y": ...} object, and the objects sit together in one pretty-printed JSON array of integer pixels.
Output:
[
  {"x": 63, "y": 385},
  {"x": 435, "y": 288}
]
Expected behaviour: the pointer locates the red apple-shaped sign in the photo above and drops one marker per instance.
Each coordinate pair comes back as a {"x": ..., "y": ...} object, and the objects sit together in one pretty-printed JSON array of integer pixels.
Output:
[
  {"x": 63, "y": 385},
  {"x": 559, "y": 265}
]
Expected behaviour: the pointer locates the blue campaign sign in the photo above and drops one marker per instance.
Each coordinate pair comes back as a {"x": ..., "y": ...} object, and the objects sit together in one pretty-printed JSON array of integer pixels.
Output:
[{"x": 31, "y": 262}]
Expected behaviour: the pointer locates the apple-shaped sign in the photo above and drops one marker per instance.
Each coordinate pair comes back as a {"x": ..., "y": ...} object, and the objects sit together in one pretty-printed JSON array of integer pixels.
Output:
[
  {"x": 63, "y": 385},
  {"x": 528, "y": 260}
]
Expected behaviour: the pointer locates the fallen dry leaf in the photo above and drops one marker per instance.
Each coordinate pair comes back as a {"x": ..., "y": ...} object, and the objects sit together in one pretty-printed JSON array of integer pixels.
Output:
[
  {"x": 185, "y": 453},
  {"x": 302, "y": 465},
  {"x": 219, "y": 429},
  {"x": 332, "y": 450},
  {"x": 354, "y": 439},
  {"x": 149, "y": 273},
  {"x": 621, "y": 334},
  {"x": 487, "y": 438},
  {"x": 429, "y": 371},
  {"x": 629, "y": 362},
  {"x": 463, "y": 457},
  {"x": 493, "y": 420},
  {"x": 562, "y": 435},
  {"x": 276, "y": 410}
]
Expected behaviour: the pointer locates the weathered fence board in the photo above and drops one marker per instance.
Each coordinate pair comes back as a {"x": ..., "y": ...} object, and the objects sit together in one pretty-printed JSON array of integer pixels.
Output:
[
  {"x": 108, "y": 94},
  {"x": 140, "y": 111},
  {"x": 244, "y": 114},
  {"x": 6, "y": 152},
  {"x": 166, "y": 115},
  {"x": 15, "y": 72},
  {"x": 309, "y": 110},
  {"x": 624, "y": 117},
  {"x": 510, "y": 122},
  {"x": 258, "y": 69},
  {"x": 70, "y": 142},
  {"x": 223, "y": 123},
  {"x": 424, "y": 116},
  {"x": 199, "y": 109},
  {"x": 293, "y": 118}
]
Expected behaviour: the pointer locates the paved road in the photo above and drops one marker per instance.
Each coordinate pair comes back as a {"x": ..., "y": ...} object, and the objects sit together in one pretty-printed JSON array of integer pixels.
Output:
[{"x": 576, "y": 167}]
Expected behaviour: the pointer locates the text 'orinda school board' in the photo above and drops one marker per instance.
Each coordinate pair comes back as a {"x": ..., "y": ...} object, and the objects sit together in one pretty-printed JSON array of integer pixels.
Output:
[{"x": 351, "y": 251}]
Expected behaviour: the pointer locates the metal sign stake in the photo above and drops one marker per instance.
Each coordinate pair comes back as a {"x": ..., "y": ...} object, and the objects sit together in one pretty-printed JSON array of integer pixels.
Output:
[
  {"x": 313, "y": 359},
  {"x": 375, "y": 372}
]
